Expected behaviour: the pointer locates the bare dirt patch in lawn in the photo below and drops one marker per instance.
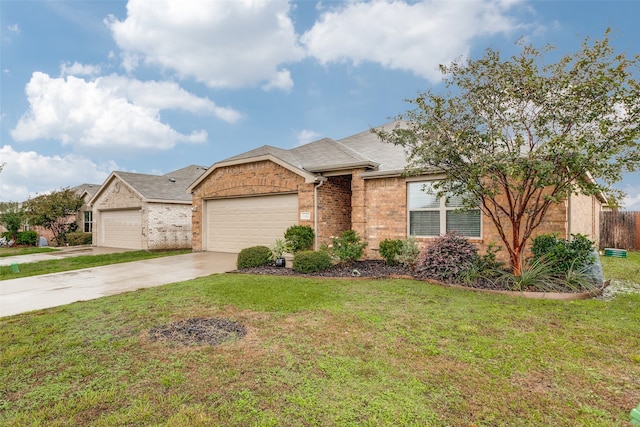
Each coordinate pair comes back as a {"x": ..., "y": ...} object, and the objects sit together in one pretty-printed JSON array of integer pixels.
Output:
[{"x": 198, "y": 331}]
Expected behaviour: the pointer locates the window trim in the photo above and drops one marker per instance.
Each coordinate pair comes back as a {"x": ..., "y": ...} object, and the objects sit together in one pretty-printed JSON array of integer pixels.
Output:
[{"x": 442, "y": 209}]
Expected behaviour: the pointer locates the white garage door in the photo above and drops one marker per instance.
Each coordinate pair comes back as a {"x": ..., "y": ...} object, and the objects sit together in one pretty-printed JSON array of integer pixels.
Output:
[
  {"x": 235, "y": 224},
  {"x": 120, "y": 229}
]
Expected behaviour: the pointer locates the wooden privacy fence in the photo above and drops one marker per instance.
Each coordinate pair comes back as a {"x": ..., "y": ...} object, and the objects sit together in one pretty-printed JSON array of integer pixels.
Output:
[{"x": 620, "y": 230}]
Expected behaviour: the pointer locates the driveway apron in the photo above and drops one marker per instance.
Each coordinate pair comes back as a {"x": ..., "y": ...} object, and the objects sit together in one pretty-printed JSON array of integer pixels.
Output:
[{"x": 51, "y": 290}]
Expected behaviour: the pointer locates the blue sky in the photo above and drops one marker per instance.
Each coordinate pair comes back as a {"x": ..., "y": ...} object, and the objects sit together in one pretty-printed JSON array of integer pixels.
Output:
[{"x": 88, "y": 87}]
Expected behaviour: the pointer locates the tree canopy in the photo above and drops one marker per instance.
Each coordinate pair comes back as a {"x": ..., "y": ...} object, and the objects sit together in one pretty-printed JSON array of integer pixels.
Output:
[
  {"x": 53, "y": 211},
  {"x": 516, "y": 135}
]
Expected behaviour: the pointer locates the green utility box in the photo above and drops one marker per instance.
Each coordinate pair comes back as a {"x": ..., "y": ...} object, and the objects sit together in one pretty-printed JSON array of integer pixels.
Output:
[
  {"x": 618, "y": 253},
  {"x": 635, "y": 416}
]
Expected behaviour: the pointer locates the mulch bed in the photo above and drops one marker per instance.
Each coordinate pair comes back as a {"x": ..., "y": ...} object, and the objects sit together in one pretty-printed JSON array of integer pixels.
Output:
[
  {"x": 377, "y": 269},
  {"x": 368, "y": 268},
  {"x": 197, "y": 331}
]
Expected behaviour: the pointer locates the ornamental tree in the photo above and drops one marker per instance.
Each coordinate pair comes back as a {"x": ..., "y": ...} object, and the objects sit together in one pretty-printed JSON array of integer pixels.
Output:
[
  {"x": 517, "y": 135},
  {"x": 12, "y": 217},
  {"x": 54, "y": 211}
]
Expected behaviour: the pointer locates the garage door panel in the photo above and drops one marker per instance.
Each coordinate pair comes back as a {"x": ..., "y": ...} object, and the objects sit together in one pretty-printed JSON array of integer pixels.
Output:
[
  {"x": 235, "y": 224},
  {"x": 121, "y": 229}
]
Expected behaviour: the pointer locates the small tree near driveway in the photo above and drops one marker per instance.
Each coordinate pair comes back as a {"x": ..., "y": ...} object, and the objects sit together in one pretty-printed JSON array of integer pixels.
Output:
[
  {"x": 53, "y": 211},
  {"x": 517, "y": 135}
]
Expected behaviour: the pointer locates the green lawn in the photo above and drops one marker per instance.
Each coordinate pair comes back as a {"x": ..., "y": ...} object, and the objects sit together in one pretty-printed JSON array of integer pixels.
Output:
[
  {"x": 78, "y": 262},
  {"x": 326, "y": 352}
]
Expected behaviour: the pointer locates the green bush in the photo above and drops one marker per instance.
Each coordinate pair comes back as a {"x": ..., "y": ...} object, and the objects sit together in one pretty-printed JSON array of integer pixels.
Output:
[
  {"x": 390, "y": 249},
  {"x": 348, "y": 247},
  {"x": 28, "y": 237},
  {"x": 299, "y": 238},
  {"x": 77, "y": 238},
  {"x": 562, "y": 255},
  {"x": 409, "y": 252},
  {"x": 311, "y": 261},
  {"x": 255, "y": 256}
]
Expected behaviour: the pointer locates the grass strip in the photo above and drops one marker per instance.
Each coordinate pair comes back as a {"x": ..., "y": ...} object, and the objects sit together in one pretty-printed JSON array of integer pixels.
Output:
[
  {"x": 5, "y": 252},
  {"x": 84, "y": 261}
]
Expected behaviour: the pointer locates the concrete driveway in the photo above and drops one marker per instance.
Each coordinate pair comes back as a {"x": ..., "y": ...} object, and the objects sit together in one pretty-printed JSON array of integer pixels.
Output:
[{"x": 51, "y": 290}]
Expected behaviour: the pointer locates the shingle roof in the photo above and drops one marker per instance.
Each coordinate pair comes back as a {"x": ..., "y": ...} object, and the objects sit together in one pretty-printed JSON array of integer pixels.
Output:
[
  {"x": 169, "y": 187},
  {"x": 361, "y": 150},
  {"x": 91, "y": 189}
]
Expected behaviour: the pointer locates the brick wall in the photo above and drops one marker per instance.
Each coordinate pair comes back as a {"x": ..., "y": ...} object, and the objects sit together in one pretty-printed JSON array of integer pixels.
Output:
[
  {"x": 375, "y": 208},
  {"x": 169, "y": 226},
  {"x": 257, "y": 178},
  {"x": 334, "y": 207},
  {"x": 386, "y": 212}
]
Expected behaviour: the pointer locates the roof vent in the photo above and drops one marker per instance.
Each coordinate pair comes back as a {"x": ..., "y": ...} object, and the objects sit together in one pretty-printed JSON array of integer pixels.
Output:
[{"x": 172, "y": 179}]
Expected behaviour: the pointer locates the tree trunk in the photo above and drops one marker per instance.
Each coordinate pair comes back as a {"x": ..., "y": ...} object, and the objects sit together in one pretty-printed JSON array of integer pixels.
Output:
[{"x": 516, "y": 260}]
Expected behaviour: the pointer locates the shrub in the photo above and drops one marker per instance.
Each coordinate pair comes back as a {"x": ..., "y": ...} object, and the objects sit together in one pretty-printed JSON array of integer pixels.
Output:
[
  {"x": 28, "y": 237},
  {"x": 78, "y": 238},
  {"x": 348, "y": 247},
  {"x": 446, "y": 258},
  {"x": 299, "y": 238},
  {"x": 562, "y": 255},
  {"x": 409, "y": 252},
  {"x": 278, "y": 249},
  {"x": 390, "y": 249},
  {"x": 255, "y": 256},
  {"x": 311, "y": 261}
]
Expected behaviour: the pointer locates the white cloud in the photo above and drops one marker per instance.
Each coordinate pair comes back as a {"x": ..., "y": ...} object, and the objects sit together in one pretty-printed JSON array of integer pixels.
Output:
[
  {"x": 14, "y": 28},
  {"x": 416, "y": 37},
  {"x": 77, "y": 69},
  {"x": 110, "y": 112},
  {"x": 220, "y": 43},
  {"x": 45, "y": 173},
  {"x": 631, "y": 202},
  {"x": 306, "y": 136}
]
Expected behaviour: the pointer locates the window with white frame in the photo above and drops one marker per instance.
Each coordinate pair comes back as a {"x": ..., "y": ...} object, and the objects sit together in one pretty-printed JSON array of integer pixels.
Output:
[
  {"x": 88, "y": 221},
  {"x": 431, "y": 216}
]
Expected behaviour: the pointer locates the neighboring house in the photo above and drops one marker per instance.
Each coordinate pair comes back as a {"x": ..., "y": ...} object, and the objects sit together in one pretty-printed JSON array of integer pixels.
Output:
[
  {"x": 84, "y": 218},
  {"x": 353, "y": 183},
  {"x": 139, "y": 211}
]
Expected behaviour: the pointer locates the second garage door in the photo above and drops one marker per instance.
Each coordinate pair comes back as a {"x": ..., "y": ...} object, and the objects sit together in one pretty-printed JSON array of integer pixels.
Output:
[
  {"x": 120, "y": 229},
  {"x": 235, "y": 224}
]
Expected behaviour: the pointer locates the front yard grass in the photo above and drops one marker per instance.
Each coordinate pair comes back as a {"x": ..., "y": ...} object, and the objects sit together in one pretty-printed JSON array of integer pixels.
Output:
[
  {"x": 624, "y": 269},
  {"x": 84, "y": 261},
  {"x": 324, "y": 352}
]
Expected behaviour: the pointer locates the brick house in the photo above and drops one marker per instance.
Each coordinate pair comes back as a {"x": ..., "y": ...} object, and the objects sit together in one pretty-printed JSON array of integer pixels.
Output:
[
  {"x": 140, "y": 211},
  {"x": 352, "y": 183}
]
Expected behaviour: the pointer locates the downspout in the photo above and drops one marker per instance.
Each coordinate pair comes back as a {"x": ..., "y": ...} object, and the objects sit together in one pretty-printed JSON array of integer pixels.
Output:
[
  {"x": 569, "y": 217},
  {"x": 315, "y": 210}
]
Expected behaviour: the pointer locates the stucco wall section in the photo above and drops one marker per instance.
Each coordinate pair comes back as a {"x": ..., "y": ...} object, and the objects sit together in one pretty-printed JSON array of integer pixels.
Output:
[
  {"x": 169, "y": 226},
  {"x": 256, "y": 178},
  {"x": 584, "y": 216}
]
